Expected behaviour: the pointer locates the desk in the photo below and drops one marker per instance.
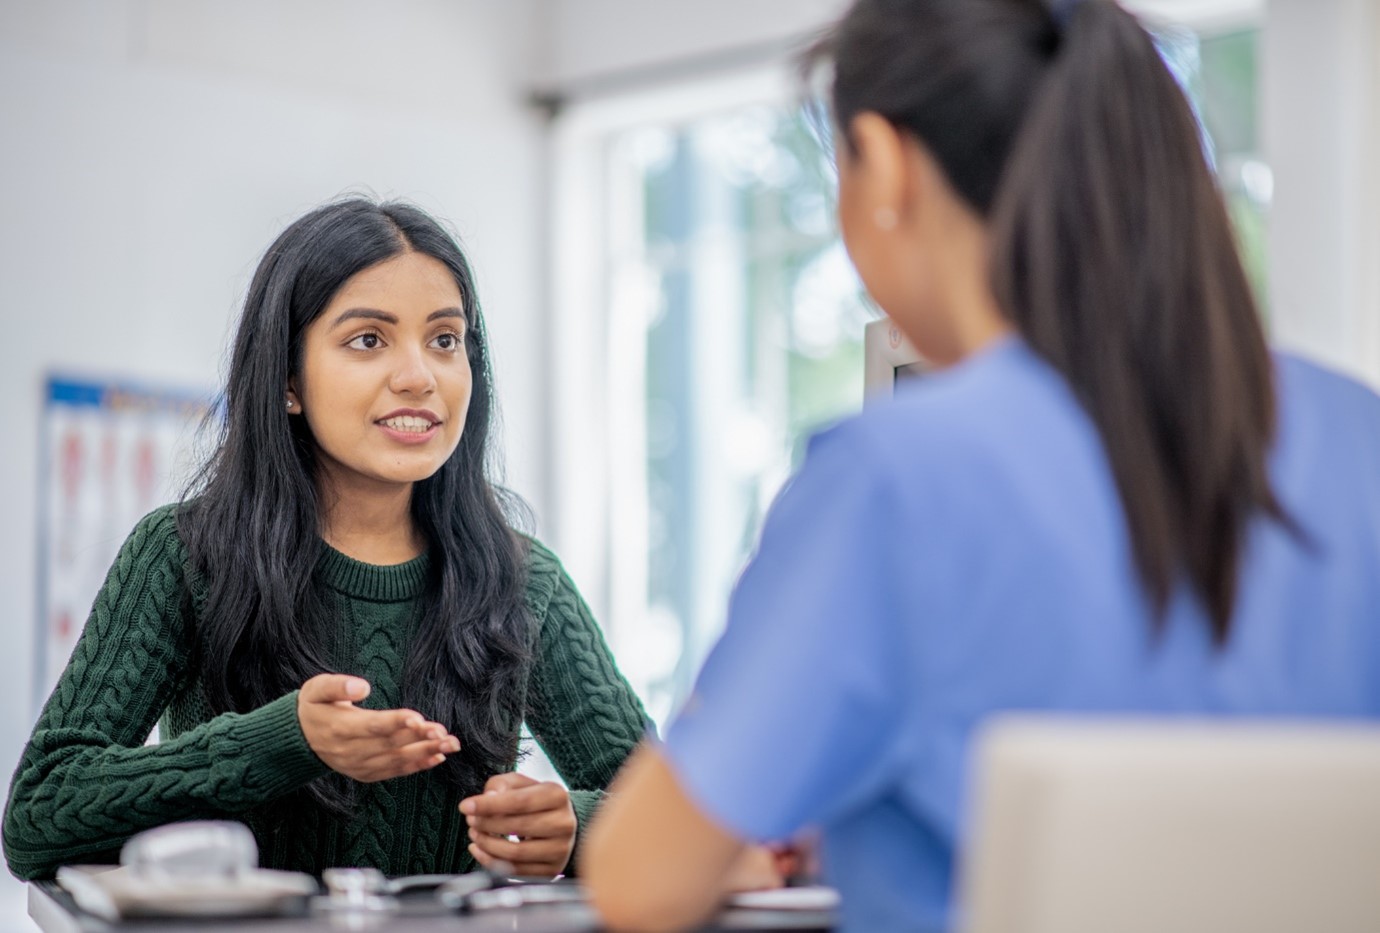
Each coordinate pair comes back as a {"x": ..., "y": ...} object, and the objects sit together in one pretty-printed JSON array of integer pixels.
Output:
[{"x": 53, "y": 910}]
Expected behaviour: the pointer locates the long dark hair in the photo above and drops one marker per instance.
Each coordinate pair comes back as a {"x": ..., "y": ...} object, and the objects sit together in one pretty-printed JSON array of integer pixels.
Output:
[
  {"x": 1111, "y": 251},
  {"x": 251, "y": 519}
]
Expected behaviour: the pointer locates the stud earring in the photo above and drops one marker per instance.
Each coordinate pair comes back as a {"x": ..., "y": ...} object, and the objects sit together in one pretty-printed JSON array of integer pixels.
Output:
[
  {"x": 289, "y": 401},
  {"x": 885, "y": 218}
]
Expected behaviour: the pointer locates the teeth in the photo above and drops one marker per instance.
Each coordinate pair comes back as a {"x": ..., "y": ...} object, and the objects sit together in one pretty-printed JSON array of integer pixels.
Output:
[{"x": 408, "y": 423}]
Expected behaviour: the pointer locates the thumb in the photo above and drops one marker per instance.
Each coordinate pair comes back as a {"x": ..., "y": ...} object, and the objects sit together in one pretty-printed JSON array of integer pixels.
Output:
[{"x": 335, "y": 688}]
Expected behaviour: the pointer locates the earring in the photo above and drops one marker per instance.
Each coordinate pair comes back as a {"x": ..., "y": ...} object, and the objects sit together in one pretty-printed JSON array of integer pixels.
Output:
[
  {"x": 289, "y": 401},
  {"x": 885, "y": 218}
]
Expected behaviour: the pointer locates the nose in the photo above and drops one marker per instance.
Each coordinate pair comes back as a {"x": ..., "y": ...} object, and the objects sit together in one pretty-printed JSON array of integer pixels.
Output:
[{"x": 412, "y": 376}]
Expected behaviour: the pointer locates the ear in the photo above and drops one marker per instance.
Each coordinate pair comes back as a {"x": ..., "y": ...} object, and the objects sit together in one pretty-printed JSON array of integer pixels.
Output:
[
  {"x": 879, "y": 168},
  {"x": 294, "y": 404}
]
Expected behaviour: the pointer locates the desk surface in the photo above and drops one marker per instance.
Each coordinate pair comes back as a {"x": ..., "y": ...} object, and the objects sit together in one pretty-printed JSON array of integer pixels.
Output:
[{"x": 54, "y": 911}]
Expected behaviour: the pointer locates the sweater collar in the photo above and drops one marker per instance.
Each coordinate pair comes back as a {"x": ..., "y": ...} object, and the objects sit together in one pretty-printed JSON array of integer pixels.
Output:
[{"x": 384, "y": 584}]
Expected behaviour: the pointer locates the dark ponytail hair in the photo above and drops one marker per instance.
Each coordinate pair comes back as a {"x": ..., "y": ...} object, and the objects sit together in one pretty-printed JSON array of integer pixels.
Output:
[
  {"x": 251, "y": 520},
  {"x": 1111, "y": 251}
]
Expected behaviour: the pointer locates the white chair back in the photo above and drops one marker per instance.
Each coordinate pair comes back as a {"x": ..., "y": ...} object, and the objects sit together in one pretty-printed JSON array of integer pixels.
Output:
[{"x": 1167, "y": 826}]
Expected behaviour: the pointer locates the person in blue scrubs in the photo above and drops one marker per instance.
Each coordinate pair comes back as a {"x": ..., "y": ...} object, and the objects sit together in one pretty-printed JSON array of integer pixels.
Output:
[{"x": 1111, "y": 497}]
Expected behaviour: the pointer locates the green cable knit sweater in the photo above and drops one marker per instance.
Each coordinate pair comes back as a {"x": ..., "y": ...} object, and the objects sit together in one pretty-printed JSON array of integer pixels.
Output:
[{"x": 87, "y": 781}]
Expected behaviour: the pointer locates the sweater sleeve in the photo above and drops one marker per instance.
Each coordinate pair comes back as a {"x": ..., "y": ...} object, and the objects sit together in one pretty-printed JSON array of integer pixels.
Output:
[
  {"x": 581, "y": 709},
  {"x": 86, "y": 781}
]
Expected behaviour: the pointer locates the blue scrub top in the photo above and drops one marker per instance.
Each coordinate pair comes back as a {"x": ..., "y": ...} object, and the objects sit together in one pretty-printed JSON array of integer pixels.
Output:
[{"x": 960, "y": 550}]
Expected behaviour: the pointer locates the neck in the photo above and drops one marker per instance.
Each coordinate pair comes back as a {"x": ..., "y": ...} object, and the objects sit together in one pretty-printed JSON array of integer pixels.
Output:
[
  {"x": 968, "y": 317},
  {"x": 973, "y": 315},
  {"x": 370, "y": 523}
]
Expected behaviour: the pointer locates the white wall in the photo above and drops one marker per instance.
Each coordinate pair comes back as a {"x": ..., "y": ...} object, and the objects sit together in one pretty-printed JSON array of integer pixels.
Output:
[
  {"x": 590, "y": 39},
  {"x": 1322, "y": 139},
  {"x": 151, "y": 149}
]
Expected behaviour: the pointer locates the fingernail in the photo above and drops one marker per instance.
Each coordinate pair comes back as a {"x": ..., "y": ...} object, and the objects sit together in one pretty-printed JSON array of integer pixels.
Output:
[
  {"x": 355, "y": 687},
  {"x": 454, "y": 745},
  {"x": 467, "y": 806}
]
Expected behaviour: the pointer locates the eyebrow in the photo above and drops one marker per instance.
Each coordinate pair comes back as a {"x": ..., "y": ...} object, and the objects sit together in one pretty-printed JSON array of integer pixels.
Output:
[{"x": 373, "y": 314}]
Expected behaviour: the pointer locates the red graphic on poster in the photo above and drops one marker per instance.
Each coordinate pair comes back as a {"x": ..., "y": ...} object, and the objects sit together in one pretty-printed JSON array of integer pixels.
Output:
[
  {"x": 145, "y": 472},
  {"x": 107, "y": 453}
]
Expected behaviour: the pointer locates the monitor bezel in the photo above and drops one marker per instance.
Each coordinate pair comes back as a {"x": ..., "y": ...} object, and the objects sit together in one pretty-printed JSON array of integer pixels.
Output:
[{"x": 885, "y": 349}]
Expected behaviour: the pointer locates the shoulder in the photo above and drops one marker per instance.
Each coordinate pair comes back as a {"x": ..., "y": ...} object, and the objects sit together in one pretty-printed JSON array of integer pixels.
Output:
[
  {"x": 1328, "y": 425},
  {"x": 155, "y": 538},
  {"x": 149, "y": 571},
  {"x": 1004, "y": 411},
  {"x": 546, "y": 577},
  {"x": 541, "y": 560},
  {"x": 1310, "y": 383}
]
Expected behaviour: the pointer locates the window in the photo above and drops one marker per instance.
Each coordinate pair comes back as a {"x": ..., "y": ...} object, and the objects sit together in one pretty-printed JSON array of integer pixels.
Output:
[
  {"x": 751, "y": 323},
  {"x": 1220, "y": 72},
  {"x": 710, "y": 322},
  {"x": 731, "y": 330}
]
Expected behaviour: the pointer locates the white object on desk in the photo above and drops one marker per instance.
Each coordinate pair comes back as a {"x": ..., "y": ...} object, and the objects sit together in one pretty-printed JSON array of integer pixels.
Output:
[
  {"x": 206, "y": 868},
  {"x": 117, "y": 893},
  {"x": 810, "y": 897},
  {"x": 1139, "y": 826}
]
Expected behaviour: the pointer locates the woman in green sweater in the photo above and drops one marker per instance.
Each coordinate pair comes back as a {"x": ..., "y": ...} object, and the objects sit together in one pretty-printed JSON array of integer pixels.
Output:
[{"x": 341, "y": 632}]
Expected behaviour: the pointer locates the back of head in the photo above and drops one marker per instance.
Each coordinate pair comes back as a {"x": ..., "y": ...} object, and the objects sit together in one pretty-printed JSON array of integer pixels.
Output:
[{"x": 1110, "y": 248}]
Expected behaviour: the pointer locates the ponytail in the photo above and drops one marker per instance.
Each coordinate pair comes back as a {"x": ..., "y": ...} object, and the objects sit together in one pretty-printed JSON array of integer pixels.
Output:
[{"x": 1112, "y": 253}]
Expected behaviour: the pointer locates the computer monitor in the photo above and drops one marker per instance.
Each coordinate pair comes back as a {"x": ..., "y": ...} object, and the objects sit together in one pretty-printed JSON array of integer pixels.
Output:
[{"x": 888, "y": 358}]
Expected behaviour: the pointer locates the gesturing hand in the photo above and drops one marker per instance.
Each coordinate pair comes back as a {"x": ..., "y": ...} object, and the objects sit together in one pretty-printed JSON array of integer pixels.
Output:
[
  {"x": 538, "y": 814},
  {"x": 367, "y": 745}
]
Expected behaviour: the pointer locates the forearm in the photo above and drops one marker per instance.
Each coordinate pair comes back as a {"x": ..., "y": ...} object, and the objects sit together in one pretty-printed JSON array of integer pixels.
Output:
[
  {"x": 653, "y": 861},
  {"x": 76, "y": 794},
  {"x": 584, "y": 713}
]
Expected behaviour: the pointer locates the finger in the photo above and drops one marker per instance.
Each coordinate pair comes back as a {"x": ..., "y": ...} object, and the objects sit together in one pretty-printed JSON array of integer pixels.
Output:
[
  {"x": 542, "y": 857},
  {"x": 754, "y": 870},
  {"x": 499, "y": 847},
  {"x": 510, "y": 780},
  {"x": 335, "y": 688},
  {"x": 531, "y": 799},
  {"x": 549, "y": 824},
  {"x": 543, "y": 868},
  {"x": 416, "y": 751},
  {"x": 788, "y": 864},
  {"x": 399, "y": 726},
  {"x": 482, "y": 857},
  {"x": 448, "y": 745},
  {"x": 420, "y": 756},
  {"x": 385, "y": 722},
  {"x": 412, "y": 766}
]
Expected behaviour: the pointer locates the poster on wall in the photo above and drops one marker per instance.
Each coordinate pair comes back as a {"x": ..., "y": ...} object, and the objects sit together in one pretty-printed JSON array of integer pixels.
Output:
[{"x": 111, "y": 452}]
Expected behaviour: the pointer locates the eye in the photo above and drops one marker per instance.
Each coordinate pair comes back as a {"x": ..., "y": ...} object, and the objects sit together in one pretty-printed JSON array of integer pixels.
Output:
[
  {"x": 447, "y": 341},
  {"x": 365, "y": 341}
]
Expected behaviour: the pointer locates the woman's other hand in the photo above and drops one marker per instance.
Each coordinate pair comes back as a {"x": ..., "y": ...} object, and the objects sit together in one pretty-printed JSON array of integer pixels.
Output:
[
  {"x": 537, "y": 814},
  {"x": 367, "y": 745}
]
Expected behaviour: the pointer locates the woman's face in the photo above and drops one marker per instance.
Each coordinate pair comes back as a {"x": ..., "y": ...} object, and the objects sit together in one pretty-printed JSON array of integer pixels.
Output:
[{"x": 385, "y": 382}]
